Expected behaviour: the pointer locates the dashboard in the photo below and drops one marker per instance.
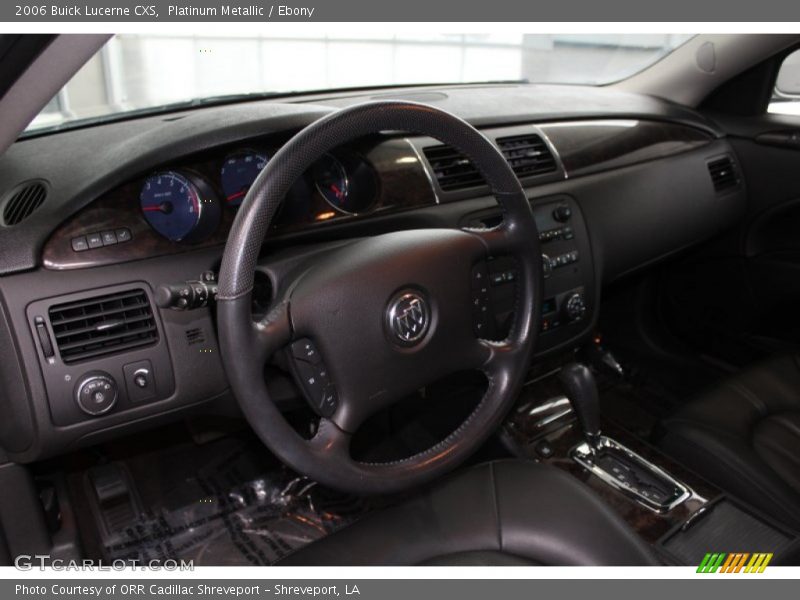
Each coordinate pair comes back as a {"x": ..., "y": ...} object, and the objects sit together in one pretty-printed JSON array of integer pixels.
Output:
[
  {"x": 616, "y": 181},
  {"x": 190, "y": 203}
]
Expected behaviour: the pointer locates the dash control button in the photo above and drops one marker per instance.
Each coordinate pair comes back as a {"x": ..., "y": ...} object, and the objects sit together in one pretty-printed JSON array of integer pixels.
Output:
[
  {"x": 123, "y": 235},
  {"x": 109, "y": 238},
  {"x": 96, "y": 393},
  {"x": 95, "y": 240},
  {"x": 79, "y": 244},
  {"x": 140, "y": 381}
]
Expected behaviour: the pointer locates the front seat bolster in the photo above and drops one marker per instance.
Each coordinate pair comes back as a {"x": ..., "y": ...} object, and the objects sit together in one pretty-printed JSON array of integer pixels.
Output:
[
  {"x": 744, "y": 436},
  {"x": 505, "y": 512}
]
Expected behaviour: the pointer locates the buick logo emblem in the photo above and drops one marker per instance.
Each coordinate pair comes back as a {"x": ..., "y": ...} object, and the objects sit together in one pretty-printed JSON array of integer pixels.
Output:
[{"x": 408, "y": 318}]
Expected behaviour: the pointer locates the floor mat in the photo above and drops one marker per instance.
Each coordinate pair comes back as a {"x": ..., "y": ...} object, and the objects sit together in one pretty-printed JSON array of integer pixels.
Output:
[{"x": 223, "y": 503}]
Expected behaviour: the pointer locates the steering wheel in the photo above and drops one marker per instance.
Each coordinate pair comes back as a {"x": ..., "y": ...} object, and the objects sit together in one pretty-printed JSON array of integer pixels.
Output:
[{"x": 388, "y": 315}]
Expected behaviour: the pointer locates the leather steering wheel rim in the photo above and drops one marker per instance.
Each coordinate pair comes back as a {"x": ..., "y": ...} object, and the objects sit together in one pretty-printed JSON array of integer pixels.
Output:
[{"x": 432, "y": 261}]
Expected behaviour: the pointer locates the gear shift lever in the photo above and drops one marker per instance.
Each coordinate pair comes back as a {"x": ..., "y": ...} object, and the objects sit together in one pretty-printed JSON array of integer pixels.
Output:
[
  {"x": 581, "y": 390},
  {"x": 611, "y": 461}
]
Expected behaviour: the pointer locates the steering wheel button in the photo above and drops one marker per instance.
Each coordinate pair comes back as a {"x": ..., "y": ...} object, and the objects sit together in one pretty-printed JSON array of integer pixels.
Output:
[
  {"x": 306, "y": 351},
  {"x": 480, "y": 276},
  {"x": 329, "y": 401}
]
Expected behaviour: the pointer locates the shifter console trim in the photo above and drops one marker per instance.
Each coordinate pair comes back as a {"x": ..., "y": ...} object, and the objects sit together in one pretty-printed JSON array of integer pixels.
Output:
[{"x": 586, "y": 456}]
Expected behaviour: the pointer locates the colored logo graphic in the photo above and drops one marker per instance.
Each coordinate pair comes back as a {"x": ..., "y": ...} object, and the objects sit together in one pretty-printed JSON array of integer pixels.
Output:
[{"x": 736, "y": 562}]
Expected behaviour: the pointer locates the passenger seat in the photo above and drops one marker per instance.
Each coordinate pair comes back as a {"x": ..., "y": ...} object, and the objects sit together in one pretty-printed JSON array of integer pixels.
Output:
[{"x": 744, "y": 436}]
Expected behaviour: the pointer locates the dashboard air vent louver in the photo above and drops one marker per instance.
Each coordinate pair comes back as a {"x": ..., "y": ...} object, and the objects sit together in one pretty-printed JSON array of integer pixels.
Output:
[
  {"x": 103, "y": 325},
  {"x": 527, "y": 154},
  {"x": 452, "y": 169},
  {"x": 723, "y": 173},
  {"x": 23, "y": 202}
]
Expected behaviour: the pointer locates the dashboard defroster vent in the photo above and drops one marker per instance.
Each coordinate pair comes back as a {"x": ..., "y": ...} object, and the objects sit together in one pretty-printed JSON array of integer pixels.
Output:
[
  {"x": 103, "y": 325},
  {"x": 452, "y": 169},
  {"x": 527, "y": 154},
  {"x": 723, "y": 173},
  {"x": 23, "y": 202}
]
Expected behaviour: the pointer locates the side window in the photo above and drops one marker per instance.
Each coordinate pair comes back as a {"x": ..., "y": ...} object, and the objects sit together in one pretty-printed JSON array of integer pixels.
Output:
[{"x": 786, "y": 95}]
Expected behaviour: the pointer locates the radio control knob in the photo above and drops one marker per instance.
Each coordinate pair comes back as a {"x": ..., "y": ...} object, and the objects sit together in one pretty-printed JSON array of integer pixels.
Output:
[
  {"x": 562, "y": 213},
  {"x": 575, "y": 307},
  {"x": 96, "y": 393}
]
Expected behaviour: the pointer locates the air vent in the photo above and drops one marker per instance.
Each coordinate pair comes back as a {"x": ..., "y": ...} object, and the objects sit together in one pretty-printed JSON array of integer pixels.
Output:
[
  {"x": 723, "y": 173},
  {"x": 23, "y": 202},
  {"x": 528, "y": 155},
  {"x": 452, "y": 169},
  {"x": 103, "y": 325}
]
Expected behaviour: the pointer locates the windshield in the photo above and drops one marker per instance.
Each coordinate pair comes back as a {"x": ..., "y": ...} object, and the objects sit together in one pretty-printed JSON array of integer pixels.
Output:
[{"x": 159, "y": 72}]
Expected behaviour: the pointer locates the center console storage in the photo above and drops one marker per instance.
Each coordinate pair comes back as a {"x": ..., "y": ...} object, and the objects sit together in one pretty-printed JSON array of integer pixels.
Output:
[{"x": 724, "y": 527}]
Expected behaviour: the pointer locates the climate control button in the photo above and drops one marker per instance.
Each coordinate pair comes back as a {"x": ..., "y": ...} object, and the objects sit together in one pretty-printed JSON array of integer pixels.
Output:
[{"x": 575, "y": 307}]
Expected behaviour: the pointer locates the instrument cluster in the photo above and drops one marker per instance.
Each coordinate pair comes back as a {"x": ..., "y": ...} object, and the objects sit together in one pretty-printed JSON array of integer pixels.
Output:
[{"x": 188, "y": 204}]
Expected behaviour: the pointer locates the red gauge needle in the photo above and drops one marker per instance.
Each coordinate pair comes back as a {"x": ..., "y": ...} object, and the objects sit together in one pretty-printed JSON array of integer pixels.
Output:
[
  {"x": 335, "y": 189},
  {"x": 236, "y": 196},
  {"x": 164, "y": 207}
]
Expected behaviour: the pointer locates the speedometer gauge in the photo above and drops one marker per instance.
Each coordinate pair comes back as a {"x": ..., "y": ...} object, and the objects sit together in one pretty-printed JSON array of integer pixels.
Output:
[
  {"x": 238, "y": 173},
  {"x": 179, "y": 207}
]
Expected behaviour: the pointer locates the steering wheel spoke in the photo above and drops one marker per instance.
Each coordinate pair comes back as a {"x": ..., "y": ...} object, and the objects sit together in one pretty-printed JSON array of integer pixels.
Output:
[
  {"x": 331, "y": 442},
  {"x": 495, "y": 241},
  {"x": 272, "y": 332},
  {"x": 490, "y": 356}
]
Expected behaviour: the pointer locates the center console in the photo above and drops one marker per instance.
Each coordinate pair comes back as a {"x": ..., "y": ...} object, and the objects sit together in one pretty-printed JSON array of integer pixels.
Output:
[
  {"x": 569, "y": 298},
  {"x": 557, "y": 421}
]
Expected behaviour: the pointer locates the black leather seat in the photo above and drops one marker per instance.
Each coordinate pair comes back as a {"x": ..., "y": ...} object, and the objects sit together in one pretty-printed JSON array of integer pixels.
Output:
[
  {"x": 744, "y": 436},
  {"x": 502, "y": 513}
]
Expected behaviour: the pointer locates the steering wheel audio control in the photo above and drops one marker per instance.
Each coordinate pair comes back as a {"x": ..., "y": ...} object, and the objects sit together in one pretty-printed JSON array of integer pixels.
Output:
[
  {"x": 312, "y": 375},
  {"x": 96, "y": 393}
]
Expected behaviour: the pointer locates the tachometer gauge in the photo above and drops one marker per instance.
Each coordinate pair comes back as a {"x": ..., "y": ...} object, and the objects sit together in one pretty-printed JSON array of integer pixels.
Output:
[
  {"x": 332, "y": 182},
  {"x": 180, "y": 207},
  {"x": 238, "y": 173}
]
